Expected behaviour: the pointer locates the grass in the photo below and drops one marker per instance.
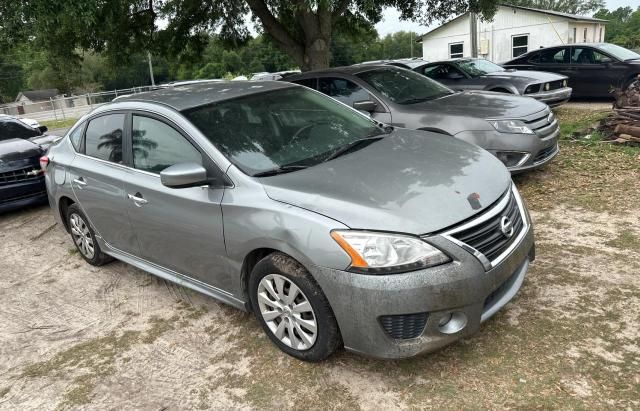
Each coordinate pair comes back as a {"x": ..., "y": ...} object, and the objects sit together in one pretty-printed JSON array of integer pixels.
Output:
[
  {"x": 590, "y": 174},
  {"x": 626, "y": 240},
  {"x": 55, "y": 124}
]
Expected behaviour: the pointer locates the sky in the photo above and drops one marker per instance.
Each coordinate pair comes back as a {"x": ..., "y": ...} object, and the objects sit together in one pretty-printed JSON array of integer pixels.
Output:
[{"x": 391, "y": 18}]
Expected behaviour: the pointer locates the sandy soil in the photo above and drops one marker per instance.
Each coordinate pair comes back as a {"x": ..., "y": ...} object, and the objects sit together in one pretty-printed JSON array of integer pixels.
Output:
[{"x": 78, "y": 337}]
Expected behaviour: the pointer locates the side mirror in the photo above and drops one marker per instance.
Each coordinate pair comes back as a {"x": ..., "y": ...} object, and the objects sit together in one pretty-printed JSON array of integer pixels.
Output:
[
  {"x": 183, "y": 175},
  {"x": 365, "y": 105},
  {"x": 43, "y": 129},
  {"x": 455, "y": 76}
]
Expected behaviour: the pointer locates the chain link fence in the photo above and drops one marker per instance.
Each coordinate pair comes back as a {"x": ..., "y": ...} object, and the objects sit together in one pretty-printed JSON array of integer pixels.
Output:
[{"x": 62, "y": 108}]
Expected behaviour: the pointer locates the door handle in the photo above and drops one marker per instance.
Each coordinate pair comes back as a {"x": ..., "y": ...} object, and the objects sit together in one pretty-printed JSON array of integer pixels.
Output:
[
  {"x": 137, "y": 199},
  {"x": 80, "y": 182}
]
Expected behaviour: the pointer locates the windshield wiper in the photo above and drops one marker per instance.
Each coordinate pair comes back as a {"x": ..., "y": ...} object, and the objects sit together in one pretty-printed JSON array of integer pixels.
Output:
[
  {"x": 280, "y": 170},
  {"x": 349, "y": 146}
]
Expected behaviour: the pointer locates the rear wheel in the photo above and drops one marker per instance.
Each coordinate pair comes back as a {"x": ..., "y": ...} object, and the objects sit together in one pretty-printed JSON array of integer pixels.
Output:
[
  {"x": 292, "y": 308},
  {"x": 84, "y": 237}
]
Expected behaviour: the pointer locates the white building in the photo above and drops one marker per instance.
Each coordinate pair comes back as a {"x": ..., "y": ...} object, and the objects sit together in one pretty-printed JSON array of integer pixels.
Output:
[{"x": 513, "y": 31}]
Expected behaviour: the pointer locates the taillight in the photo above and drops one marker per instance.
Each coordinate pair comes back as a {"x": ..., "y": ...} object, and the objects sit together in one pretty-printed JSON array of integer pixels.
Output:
[{"x": 44, "y": 162}]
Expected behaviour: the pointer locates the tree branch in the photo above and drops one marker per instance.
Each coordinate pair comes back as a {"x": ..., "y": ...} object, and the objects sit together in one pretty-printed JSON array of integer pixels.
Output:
[
  {"x": 340, "y": 8},
  {"x": 272, "y": 25}
]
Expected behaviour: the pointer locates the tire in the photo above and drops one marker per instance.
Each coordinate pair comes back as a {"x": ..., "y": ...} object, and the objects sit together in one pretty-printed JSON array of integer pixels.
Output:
[
  {"x": 84, "y": 237},
  {"x": 271, "y": 285}
]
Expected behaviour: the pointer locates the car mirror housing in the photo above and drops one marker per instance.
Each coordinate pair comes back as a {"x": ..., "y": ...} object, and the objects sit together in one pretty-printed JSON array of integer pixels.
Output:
[
  {"x": 183, "y": 175},
  {"x": 365, "y": 105},
  {"x": 43, "y": 129}
]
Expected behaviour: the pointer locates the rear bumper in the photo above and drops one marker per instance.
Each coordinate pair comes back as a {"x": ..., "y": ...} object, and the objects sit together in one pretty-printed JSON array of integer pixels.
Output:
[
  {"x": 20, "y": 195},
  {"x": 463, "y": 286},
  {"x": 554, "y": 97}
]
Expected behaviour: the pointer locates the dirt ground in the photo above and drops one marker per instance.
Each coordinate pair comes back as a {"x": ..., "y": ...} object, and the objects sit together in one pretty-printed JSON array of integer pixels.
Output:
[{"x": 77, "y": 337}]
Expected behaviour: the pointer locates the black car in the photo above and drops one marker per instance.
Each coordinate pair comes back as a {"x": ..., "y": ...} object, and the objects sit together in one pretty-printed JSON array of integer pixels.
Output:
[
  {"x": 592, "y": 68},
  {"x": 21, "y": 179}
]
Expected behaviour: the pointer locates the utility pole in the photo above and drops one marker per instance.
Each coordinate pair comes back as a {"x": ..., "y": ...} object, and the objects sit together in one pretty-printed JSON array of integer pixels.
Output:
[
  {"x": 473, "y": 31},
  {"x": 153, "y": 81},
  {"x": 411, "y": 39}
]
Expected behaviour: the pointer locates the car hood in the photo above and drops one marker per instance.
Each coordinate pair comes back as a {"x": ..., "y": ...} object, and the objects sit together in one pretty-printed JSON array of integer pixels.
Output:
[
  {"x": 525, "y": 76},
  {"x": 479, "y": 105},
  {"x": 410, "y": 181},
  {"x": 17, "y": 153}
]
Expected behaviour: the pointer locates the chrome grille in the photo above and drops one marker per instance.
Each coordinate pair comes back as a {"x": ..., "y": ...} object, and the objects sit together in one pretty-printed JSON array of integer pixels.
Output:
[
  {"x": 544, "y": 125},
  {"x": 484, "y": 235},
  {"x": 20, "y": 175}
]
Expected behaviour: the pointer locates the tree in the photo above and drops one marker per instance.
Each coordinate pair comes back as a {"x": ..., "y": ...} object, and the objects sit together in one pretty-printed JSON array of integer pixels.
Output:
[
  {"x": 300, "y": 28},
  {"x": 623, "y": 28},
  {"x": 581, "y": 7}
]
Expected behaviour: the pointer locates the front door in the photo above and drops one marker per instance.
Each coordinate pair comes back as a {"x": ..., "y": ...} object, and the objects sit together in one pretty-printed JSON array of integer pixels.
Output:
[
  {"x": 177, "y": 228},
  {"x": 594, "y": 73},
  {"x": 97, "y": 179}
]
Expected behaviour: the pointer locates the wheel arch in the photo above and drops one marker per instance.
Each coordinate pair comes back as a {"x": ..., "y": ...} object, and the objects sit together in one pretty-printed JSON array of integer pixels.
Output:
[
  {"x": 250, "y": 261},
  {"x": 63, "y": 206}
]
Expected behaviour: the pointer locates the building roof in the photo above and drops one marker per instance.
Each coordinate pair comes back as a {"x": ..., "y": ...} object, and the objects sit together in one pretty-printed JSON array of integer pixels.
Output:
[
  {"x": 559, "y": 14},
  {"x": 39, "y": 95},
  {"x": 199, "y": 94},
  {"x": 548, "y": 12}
]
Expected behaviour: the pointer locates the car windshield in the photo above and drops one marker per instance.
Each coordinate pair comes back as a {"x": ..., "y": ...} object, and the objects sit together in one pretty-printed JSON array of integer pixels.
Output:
[
  {"x": 479, "y": 67},
  {"x": 404, "y": 86},
  {"x": 619, "y": 52},
  {"x": 293, "y": 127}
]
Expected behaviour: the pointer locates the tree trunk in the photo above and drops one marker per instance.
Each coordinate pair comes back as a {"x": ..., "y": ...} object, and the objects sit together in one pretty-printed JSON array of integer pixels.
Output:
[{"x": 316, "y": 55}]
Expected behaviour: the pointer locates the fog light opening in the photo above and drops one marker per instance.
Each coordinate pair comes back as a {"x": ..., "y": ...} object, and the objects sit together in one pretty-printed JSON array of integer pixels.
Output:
[
  {"x": 452, "y": 323},
  {"x": 512, "y": 158}
]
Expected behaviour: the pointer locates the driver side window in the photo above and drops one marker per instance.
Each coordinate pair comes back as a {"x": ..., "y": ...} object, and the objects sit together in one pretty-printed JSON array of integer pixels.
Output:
[
  {"x": 157, "y": 145},
  {"x": 585, "y": 55},
  {"x": 343, "y": 90}
]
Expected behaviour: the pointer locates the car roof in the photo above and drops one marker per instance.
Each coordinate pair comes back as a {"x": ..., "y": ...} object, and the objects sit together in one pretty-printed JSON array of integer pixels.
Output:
[
  {"x": 188, "y": 96},
  {"x": 348, "y": 70}
]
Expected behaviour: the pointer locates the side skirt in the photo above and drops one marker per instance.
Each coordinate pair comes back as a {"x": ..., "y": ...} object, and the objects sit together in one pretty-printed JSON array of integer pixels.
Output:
[{"x": 174, "y": 277}]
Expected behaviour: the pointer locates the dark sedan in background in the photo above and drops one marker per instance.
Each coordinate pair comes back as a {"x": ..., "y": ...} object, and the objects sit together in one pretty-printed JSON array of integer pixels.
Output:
[
  {"x": 481, "y": 74},
  {"x": 21, "y": 178},
  {"x": 593, "y": 69}
]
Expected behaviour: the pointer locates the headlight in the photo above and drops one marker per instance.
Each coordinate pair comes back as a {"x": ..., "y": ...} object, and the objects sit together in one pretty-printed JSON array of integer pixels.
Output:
[
  {"x": 547, "y": 86},
  {"x": 565, "y": 83},
  {"x": 510, "y": 126},
  {"x": 382, "y": 253}
]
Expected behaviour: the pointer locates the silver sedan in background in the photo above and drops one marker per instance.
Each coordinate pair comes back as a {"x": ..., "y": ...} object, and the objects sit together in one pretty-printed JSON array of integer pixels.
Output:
[{"x": 277, "y": 199}]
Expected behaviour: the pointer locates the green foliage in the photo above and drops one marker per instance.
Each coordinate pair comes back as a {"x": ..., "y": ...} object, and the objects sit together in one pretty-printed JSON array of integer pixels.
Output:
[
  {"x": 582, "y": 7},
  {"x": 623, "y": 27}
]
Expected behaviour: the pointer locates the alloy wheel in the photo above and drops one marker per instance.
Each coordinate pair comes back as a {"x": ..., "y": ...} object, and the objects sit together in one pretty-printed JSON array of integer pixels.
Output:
[
  {"x": 82, "y": 236},
  {"x": 287, "y": 312}
]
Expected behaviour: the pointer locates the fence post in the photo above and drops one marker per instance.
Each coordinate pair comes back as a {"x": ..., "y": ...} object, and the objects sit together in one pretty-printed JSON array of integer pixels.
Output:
[
  {"x": 89, "y": 97},
  {"x": 54, "y": 108},
  {"x": 62, "y": 100}
]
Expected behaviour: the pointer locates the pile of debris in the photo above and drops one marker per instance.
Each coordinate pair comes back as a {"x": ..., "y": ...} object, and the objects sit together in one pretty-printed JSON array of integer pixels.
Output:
[{"x": 623, "y": 126}]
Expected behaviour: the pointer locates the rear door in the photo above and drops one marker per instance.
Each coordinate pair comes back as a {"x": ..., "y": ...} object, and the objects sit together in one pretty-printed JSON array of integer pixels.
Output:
[
  {"x": 97, "y": 176},
  {"x": 179, "y": 229}
]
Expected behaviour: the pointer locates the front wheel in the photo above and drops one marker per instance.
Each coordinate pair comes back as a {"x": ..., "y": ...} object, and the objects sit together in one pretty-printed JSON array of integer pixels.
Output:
[{"x": 292, "y": 308}]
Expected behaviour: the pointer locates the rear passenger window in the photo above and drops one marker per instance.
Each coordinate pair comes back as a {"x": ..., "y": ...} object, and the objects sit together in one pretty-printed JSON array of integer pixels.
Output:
[
  {"x": 76, "y": 137},
  {"x": 157, "y": 145},
  {"x": 103, "y": 138}
]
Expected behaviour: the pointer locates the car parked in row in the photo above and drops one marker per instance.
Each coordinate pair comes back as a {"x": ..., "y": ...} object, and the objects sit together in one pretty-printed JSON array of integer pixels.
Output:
[
  {"x": 593, "y": 69},
  {"x": 275, "y": 198},
  {"x": 521, "y": 132},
  {"x": 21, "y": 179},
  {"x": 28, "y": 121},
  {"x": 481, "y": 74}
]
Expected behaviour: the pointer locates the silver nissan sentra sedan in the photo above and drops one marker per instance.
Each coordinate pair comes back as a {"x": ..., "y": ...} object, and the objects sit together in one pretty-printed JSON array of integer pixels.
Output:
[{"x": 274, "y": 198}]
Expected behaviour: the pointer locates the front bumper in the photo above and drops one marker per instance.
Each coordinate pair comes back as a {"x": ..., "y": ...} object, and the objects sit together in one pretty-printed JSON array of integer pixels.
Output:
[
  {"x": 18, "y": 195},
  {"x": 537, "y": 150},
  {"x": 553, "y": 98},
  {"x": 360, "y": 301}
]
